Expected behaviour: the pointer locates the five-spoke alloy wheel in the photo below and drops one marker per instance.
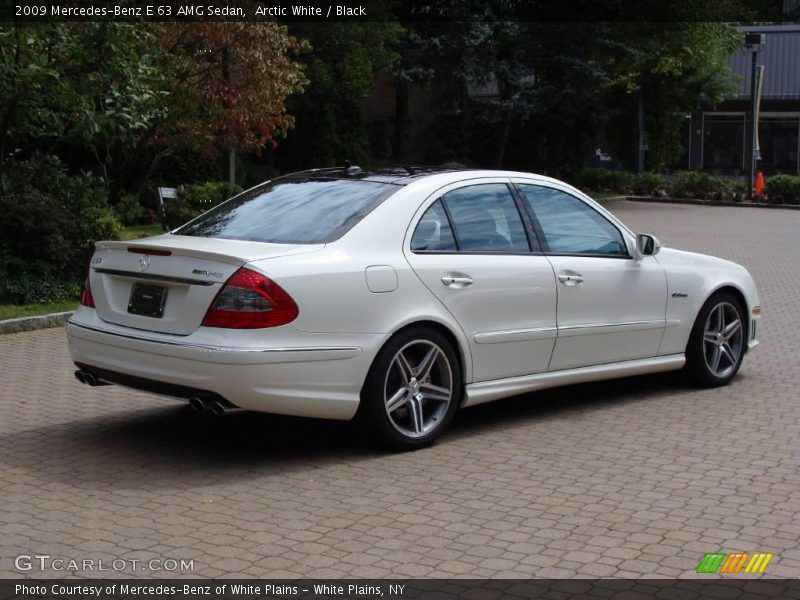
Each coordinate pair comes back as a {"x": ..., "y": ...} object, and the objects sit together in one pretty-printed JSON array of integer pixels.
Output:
[
  {"x": 717, "y": 343},
  {"x": 413, "y": 389}
]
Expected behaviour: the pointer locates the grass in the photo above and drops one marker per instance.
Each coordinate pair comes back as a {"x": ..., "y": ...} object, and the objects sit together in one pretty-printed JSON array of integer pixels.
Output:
[
  {"x": 13, "y": 311},
  {"x": 141, "y": 231}
]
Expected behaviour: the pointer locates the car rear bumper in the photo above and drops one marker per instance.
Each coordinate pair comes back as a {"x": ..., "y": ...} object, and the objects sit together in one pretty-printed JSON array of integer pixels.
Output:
[{"x": 322, "y": 381}]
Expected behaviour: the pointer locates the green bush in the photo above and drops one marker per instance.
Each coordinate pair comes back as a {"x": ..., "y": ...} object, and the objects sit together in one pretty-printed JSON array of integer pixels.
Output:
[
  {"x": 604, "y": 180},
  {"x": 28, "y": 287},
  {"x": 693, "y": 184},
  {"x": 735, "y": 190},
  {"x": 783, "y": 188},
  {"x": 194, "y": 200},
  {"x": 701, "y": 185},
  {"x": 130, "y": 211},
  {"x": 647, "y": 184},
  {"x": 48, "y": 231}
]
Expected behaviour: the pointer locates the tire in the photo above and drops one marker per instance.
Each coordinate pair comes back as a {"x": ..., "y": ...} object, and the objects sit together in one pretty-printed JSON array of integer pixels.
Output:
[
  {"x": 716, "y": 348},
  {"x": 399, "y": 410}
]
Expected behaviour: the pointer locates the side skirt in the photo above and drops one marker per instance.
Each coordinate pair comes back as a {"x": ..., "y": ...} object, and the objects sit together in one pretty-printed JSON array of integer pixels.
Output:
[{"x": 486, "y": 391}]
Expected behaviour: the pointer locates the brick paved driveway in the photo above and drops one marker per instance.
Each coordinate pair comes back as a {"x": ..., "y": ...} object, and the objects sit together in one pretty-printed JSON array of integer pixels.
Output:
[{"x": 633, "y": 478}]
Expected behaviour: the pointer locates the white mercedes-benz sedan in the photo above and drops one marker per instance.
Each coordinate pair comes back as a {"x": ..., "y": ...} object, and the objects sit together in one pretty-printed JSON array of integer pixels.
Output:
[{"x": 398, "y": 296}]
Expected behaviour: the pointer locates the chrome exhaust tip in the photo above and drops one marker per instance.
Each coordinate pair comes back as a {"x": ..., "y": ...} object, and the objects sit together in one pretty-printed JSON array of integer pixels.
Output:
[
  {"x": 89, "y": 378},
  {"x": 197, "y": 404},
  {"x": 217, "y": 408}
]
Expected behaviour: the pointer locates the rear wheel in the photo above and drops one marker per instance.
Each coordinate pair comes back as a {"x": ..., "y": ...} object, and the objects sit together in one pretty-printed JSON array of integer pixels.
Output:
[
  {"x": 413, "y": 389},
  {"x": 717, "y": 342}
]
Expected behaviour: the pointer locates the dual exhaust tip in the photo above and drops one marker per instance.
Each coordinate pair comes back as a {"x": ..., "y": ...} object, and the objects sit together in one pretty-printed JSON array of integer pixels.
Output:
[
  {"x": 89, "y": 378},
  {"x": 215, "y": 407}
]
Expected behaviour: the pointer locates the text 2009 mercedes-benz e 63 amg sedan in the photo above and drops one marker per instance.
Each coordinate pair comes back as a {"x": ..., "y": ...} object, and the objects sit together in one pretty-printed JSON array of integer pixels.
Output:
[{"x": 398, "y": 296}]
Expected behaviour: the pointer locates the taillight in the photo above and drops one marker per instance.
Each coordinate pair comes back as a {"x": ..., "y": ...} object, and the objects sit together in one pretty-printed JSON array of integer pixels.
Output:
[
  {"x": 249, "y": 300},
  {"x": 86, "y": 294}
]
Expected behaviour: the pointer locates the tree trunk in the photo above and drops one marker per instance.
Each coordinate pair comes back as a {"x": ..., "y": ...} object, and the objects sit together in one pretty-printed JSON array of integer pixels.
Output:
[
  {"x": 502, "y": 142},
  {"x": 401, "y": 94},
  {"x": 640, "y": 133}
]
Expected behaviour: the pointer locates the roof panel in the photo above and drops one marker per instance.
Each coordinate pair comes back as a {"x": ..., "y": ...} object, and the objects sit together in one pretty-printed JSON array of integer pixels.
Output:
[{"x": 781, "y": 57}]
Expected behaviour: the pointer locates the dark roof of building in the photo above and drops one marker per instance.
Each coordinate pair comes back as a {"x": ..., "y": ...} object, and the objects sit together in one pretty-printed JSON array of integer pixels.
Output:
[{"x": 780, "y": 54}]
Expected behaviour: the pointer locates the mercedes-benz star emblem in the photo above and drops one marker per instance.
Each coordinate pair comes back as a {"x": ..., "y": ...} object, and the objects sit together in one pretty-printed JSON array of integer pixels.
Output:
[{"x": 144, "y": 262}]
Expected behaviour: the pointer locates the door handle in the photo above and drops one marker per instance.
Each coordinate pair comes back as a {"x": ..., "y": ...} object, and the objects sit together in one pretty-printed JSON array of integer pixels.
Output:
[
  {"x": 457, "y": 280},
  {"x": 570, "y": 278}
]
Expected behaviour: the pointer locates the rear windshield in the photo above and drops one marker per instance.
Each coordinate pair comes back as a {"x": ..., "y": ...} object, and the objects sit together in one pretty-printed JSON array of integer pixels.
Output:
[{"x": 291, "y": 211}]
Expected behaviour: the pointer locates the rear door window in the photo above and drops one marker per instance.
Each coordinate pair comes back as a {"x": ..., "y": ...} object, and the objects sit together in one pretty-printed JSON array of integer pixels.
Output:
[
  {"x": 433, "y": 231},
  {"x": 486, "y": 219}
]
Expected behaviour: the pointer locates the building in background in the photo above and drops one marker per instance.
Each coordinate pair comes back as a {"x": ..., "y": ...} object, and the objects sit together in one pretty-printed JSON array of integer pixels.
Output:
[{"x": 718, "y": 140}]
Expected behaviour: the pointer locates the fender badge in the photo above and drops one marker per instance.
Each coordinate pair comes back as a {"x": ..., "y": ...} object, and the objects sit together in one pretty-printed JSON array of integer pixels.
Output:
[
  {"x": 679, "y": 295},
  {"x": 216, "y": 274}
]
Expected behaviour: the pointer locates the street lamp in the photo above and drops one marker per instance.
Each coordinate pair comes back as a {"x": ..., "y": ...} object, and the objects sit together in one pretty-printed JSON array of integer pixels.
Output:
[{"x": 753, "y": 42}]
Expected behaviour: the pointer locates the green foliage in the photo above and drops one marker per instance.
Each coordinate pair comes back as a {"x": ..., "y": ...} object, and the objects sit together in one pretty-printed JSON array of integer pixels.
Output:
[
  {"x": 647, "y": 184},
  {"x": 673, "y": 67},
  {"x": 48, "y": 231},
  {"x": 93, "y": 85},
  {"x": 701, "y": 185},
  {"x": 341, "y": 66},
  {"x": 32, "y": 286},
  {"x": 508, "y": 93},
  {"x": 137, "y": 232},
  {"x": 685, "y": 184},
  {"x": 783, "y": 188},
  {"x": 604, "y": 180},
  {"x": 129, "y": 211},
  {"x": 543, "y": 96},
  {"x": 196, "y": 199},
  {"x": 693, "y": 184}
]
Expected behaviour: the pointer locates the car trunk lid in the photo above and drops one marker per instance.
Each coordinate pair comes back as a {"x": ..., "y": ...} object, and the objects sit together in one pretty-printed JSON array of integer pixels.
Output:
[{"x": 166, "y": 283}]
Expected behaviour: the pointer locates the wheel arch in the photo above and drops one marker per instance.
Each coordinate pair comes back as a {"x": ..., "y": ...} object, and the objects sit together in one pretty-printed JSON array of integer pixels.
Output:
[
  {"x": 462, "y": 353},
  {"x": 459, "y": 347},
  {"x": 737, "y": 293}
]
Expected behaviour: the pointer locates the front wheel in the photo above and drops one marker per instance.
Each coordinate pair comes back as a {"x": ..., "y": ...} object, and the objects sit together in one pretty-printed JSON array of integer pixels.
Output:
[
  {"x": 413, "y": 389},
  {"x": 717, "y": 342}
]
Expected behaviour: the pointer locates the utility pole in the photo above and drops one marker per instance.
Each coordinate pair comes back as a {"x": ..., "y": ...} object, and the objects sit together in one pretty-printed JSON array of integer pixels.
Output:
[
  {"x": 753, "y": 41},
  {"x": 640, "y": 143}
]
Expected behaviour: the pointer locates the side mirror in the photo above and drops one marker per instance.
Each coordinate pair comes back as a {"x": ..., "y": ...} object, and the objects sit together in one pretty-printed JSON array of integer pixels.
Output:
[{"x": 647, "y": 245}]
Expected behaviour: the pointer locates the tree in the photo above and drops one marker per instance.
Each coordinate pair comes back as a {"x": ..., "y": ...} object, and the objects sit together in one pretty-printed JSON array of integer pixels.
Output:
[
  {"x": 513, "y": 93},
  {"x": 230, "y": 83},
  {"x": 87, "y": 84},
  {"x": 661, "y": 72},
  {"x": 342, "y": 65}
]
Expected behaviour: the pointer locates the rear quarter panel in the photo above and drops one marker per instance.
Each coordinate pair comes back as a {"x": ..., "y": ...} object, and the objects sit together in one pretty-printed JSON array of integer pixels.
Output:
[{"x": 330, "y": 287}]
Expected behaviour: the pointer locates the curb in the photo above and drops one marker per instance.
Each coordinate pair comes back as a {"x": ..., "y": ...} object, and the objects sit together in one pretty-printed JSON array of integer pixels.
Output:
[
  {"x": 31, "y": 323},
  {"x": 699, "y": 202}
]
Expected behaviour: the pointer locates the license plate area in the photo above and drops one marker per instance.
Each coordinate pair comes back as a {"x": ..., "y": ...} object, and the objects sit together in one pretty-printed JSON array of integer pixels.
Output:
[{"x": 147, "y": 300}]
